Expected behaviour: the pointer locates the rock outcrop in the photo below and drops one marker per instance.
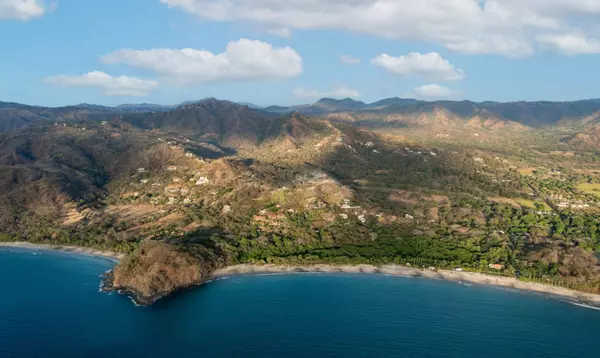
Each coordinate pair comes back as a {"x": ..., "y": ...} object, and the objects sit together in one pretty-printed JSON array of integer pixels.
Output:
[{"x": 158, "y": 269}]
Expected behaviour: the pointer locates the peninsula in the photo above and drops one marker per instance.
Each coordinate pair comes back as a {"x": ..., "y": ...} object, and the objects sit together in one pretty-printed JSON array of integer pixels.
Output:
[{"x": 507, "y": 193}]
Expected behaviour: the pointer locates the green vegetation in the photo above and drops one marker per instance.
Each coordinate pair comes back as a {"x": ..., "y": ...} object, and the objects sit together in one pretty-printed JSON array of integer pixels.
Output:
[{"x": 215, "y": 189}]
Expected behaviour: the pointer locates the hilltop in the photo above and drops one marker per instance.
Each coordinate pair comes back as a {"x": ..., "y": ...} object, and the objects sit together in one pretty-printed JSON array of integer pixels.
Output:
[{"x": 187, "y": 190}]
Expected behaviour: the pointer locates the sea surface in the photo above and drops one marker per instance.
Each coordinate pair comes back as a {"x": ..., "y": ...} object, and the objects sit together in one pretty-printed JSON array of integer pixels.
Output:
[{"x": 50, "y": 307}]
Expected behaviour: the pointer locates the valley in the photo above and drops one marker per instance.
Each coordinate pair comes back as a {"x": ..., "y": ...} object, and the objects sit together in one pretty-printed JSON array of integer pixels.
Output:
[{"x": 509, "y": 189}]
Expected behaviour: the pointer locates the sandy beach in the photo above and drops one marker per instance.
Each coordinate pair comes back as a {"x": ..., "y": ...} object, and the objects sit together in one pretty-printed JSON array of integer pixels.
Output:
[
  {"x": 395, "y": 270},
  {"x": 69, "y": 249}
]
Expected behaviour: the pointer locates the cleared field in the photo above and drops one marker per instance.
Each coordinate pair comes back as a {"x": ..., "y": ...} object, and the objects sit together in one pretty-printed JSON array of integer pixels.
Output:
[
  {"x": 588, "y": 188},
  {"x": 526, "y": 203},
  {"x": 527, "y": 171}
]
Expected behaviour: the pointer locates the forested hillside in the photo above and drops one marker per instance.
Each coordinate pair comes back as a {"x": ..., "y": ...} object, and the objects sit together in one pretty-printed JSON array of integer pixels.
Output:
[{"x": 187, "y": 190}]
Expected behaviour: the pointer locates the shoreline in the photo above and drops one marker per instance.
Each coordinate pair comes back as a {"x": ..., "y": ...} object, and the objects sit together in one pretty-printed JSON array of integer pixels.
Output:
[
  {"x": 78, "y": 250},
  {"x": 572, "y": 296}
]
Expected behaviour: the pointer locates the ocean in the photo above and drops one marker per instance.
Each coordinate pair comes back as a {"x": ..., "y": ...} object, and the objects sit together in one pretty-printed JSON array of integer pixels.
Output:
[{"x": 50, "y": 306}]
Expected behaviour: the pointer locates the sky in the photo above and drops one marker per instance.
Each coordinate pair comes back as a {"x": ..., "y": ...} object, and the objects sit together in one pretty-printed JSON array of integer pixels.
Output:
[{"x": 283, "y": 52}]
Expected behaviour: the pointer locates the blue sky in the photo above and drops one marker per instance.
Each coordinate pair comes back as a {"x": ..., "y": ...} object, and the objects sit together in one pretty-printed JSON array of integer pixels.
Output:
[{"x": 288, "y": 52}]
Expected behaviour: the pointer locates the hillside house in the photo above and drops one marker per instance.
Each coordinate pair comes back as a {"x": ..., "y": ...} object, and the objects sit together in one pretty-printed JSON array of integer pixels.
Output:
[
  {"x": 496, "y": 267},
  {"x": 202, "y": 181},
  {"x": 171, "y": 168}
]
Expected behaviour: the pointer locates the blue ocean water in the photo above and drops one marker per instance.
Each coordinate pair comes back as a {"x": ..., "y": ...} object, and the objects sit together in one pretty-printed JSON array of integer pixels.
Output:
[{"x": 50, "y": 307}]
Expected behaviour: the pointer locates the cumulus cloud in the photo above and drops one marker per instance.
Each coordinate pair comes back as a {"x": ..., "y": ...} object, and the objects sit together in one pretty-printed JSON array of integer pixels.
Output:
[
  {"x": 507, "y": 27},
  {"x": 110, "y": 86},
  {"x": 429, "y": 65},
  {"x": 22, "y": 9},
  {"x": 349, "y": 60},
  {"x": 338, "y": 92},
  {"x": 571, "y": 45},
  {"x": 243, "y": 60},
  {"x": 434, "y": 91}
]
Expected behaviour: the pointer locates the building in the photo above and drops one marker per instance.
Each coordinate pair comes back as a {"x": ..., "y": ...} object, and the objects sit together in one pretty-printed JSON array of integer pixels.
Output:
[
  {"x": 202, "y": 181},
  {"x": 496, "y": 266}
]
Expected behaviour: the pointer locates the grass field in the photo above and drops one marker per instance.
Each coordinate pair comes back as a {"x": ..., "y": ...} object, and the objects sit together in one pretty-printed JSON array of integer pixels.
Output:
[
  {"x": 527, "y": 171},
  {"x": 526, "y": 203},
  {"x": 587, "y": 188}
]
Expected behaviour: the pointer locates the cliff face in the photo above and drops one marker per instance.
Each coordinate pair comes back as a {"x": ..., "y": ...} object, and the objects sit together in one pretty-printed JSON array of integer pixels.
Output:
[{"x": 157, "y": 269}]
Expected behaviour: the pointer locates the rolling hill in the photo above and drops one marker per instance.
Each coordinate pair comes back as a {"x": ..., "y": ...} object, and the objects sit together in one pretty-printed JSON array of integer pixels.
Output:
[{"x": 214, "y": 183}]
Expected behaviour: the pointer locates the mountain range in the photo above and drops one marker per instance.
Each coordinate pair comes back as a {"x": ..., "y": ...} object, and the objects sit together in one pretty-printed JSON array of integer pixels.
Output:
[
  {"x": 391, "y": 112},
  {"x": 184, "y": 190}
]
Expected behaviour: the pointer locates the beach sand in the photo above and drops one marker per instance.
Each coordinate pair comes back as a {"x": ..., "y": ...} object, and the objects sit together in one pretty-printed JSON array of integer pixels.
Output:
[
  {"x": 395, "y": 270},
  {"x": 392, "y": 270},
  {"x": 69, "y": 249}
]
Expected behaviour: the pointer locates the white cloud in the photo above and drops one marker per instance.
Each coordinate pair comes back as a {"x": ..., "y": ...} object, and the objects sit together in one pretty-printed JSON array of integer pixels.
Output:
[
  {"x": 243, "y": 60},
  {"x": 429, "y": 65},
  {"x": 506, "y": 27},
  {"x": 434, "y": 91},
  {"x": 338, "y": 92},
  {"x": 110, "y": 86},
  {"x": 571, "y": 44},
  {"x": 22, "y": 9},
  {"x": 349, "y": 60}
]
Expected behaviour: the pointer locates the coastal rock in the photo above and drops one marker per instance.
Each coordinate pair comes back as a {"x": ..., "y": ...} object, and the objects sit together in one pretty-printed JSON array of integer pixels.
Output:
[{"x": 158, "y": 269}]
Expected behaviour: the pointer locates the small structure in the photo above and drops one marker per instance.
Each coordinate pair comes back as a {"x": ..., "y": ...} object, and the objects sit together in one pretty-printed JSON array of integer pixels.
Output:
[
  {"x": 226, "y": 209},
  {"x": 409, "y": 217},
  {"x": 496, "y": 267},
  {"x": 202, "y": 181},
  {"x": 142, "y": 170},
  {"x": 362, "y": 219},
  {"x": 189, "y": 155},
  {"x": 144, "y": 181},
  {"x": 171, "y": 168}
]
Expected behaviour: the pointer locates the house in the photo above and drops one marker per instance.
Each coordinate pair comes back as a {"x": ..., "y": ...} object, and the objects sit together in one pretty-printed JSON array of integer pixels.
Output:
[
  {"x": 496, "y": 267},
  {"x": 171, "y": 168},
  {"x": 172, "y": 189},
  {"x": 409, "y": 217},
  {"x": 189, "y": 155},
  {"x": 458, "y": 269},
  {"x": 176, "y": 180},
  {"x": 202, "y": 181},
  {"x": 142, "y": 170},
  {"x": 144, "y": 181},
  {"x": 362, "y": 219}
]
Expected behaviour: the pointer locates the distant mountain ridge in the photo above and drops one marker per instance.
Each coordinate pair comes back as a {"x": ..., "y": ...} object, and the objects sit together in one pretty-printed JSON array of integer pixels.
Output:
[{"x": 396, "y": 112}]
